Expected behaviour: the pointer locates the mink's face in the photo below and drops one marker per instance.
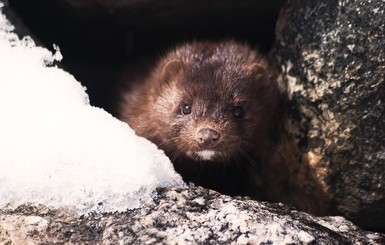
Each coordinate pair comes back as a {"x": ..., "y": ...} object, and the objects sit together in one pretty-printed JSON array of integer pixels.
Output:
[{"x": 216, "y": 114}]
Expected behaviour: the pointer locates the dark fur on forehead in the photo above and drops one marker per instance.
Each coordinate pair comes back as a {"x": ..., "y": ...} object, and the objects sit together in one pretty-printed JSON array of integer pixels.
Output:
[
  {"x": 219, "y": 78},
  {"x": 198, "y": 53}
]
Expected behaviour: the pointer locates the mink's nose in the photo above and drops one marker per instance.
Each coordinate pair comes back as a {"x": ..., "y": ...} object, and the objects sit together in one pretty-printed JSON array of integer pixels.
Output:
[{"x": 207, "y": 136}]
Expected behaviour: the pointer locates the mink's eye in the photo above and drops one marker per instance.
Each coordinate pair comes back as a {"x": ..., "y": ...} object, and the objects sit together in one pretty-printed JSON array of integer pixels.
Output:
[
  {"x": 185, "y": 109},
  {"x": 238, "y": 112}
]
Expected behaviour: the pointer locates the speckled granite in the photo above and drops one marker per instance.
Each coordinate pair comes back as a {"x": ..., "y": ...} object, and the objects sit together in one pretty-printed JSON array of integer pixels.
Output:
[
  {"x": 182, "y": 216},
  {"x": 333, "y": 58}
]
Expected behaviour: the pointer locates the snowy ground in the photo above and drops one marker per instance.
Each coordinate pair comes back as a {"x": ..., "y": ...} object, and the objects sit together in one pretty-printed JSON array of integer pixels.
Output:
[{"x": 56, "y": 149}]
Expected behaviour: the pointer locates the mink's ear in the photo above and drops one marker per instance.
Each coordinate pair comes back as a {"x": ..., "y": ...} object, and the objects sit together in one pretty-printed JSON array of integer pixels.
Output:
[
  {"x": 172, "y": 70},
  {"x": 258, "y": 73}
]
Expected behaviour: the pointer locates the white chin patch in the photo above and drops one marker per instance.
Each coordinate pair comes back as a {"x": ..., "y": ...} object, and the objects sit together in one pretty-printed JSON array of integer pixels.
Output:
[{"x": 206, "y": 154}]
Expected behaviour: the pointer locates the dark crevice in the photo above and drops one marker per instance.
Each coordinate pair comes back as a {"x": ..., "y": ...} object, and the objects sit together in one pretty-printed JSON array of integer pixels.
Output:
[{"x": 97, "y": 38}]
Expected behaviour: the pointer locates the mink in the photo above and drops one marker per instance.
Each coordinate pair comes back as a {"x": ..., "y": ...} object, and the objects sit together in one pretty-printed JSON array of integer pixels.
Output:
[{"x": 212, "y": 107}]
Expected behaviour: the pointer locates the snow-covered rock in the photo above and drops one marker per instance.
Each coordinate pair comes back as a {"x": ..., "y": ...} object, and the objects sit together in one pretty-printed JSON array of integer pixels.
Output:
[{"x": 58, "y": 150}]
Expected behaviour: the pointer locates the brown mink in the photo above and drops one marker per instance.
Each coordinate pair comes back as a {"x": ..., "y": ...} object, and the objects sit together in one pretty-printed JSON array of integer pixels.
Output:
[{"x": 211, "y": 106}]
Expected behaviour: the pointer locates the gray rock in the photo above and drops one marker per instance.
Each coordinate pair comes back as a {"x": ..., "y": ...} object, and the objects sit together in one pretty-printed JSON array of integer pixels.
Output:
[
  {"x": 333, "y": 59},
  {"x": 182, "y": 216}
]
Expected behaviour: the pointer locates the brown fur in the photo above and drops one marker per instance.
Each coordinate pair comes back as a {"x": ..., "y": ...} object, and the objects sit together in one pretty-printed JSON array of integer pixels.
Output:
[{"x": 215, "y": 79}]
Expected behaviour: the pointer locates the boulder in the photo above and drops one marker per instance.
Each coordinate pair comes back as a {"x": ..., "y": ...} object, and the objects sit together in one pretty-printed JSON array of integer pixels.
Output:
[
  {"x": 182, "y": 216},
  {"x": 332, "y": 57}
]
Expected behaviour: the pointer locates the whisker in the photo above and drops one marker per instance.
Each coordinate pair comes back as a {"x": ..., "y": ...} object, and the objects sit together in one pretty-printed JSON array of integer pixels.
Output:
[{"x": 168, "y": 141}]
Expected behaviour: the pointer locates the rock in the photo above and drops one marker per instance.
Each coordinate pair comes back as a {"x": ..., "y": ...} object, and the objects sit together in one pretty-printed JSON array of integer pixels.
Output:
[
  {"x": 333, "y": 60},
  {"x": 182, "y": 216}
]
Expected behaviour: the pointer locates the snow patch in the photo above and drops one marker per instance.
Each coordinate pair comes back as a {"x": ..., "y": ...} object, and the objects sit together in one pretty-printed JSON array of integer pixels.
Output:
[{"x": 58, "y": 150}]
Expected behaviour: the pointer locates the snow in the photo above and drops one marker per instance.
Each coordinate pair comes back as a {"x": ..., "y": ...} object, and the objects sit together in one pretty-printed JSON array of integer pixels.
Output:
[{"x": 58, "y": 150}]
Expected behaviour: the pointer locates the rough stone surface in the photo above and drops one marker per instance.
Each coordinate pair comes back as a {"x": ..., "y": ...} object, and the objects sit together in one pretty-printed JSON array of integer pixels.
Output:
[
  {"x": 182, "y": 216},
  {"x": 333, "y": 59}
]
